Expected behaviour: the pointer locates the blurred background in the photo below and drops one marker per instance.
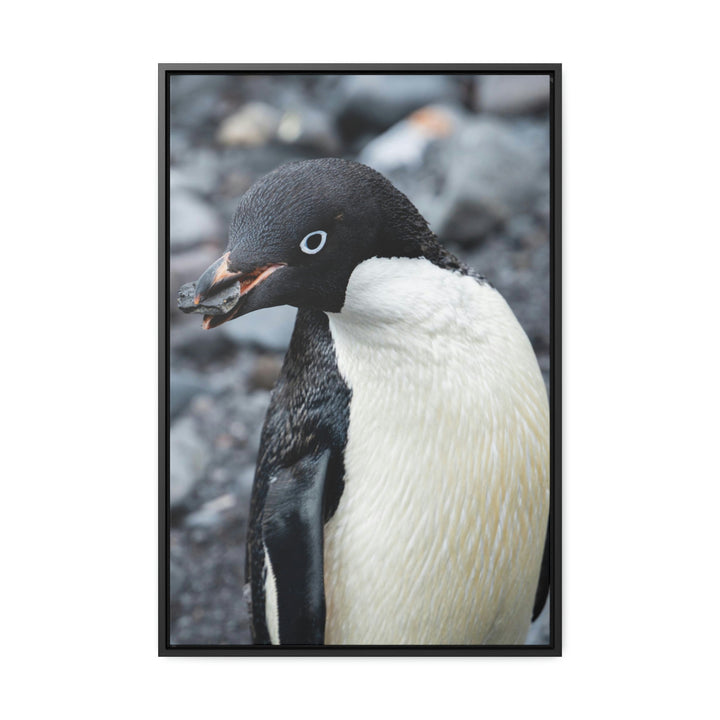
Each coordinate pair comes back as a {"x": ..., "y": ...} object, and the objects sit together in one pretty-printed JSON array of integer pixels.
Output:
[{"x": 471, "y": 152}]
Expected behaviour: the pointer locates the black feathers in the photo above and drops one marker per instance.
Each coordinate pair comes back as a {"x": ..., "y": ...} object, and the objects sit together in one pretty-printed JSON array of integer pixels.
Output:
[{"x": 307, "y": 419}]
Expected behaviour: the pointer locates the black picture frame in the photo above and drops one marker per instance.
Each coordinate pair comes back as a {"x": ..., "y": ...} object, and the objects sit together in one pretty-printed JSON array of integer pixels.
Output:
[{"x": 554, "y": 647}]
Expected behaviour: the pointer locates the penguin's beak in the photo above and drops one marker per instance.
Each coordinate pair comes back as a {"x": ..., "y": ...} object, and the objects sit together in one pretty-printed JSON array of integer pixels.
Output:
[
  {"x": 219, "y": 291},
  {"x": 214, "y": 279}
]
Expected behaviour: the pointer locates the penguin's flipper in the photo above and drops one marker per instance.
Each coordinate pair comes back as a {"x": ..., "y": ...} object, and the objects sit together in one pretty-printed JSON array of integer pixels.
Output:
[
  {"x": 544, "y": 581},
  {"x": 292, "y": 532}
]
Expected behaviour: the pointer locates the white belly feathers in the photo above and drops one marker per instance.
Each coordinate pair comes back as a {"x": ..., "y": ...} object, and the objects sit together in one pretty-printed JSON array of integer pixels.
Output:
[{"x": 439, "y": 533}]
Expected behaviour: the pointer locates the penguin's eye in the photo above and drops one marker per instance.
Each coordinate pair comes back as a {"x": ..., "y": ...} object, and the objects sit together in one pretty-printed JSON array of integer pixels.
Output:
[{"x": 314, "y": 242}]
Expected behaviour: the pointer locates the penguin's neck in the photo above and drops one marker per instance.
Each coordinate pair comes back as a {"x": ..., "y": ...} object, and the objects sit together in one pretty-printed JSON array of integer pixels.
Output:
[
  {"x": 407, "y": 323},
  {"x": 424, "y": 334},
  {"x": 400, "y": 301}
]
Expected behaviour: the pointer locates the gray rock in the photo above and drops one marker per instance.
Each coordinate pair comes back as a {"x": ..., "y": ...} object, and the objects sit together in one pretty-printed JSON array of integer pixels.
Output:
[
  {"x": 198, "y": 172},
  {"x": 186, "y": 267},
  {"x": 192, "y": 220},
  {"x": 211, "y": 513},
  {"x": 180, "y": 144},
  {"x": 239, "y": 432},
  {"x": 218, "y": 303},
  {"x": 371, "y": 102},
  {"x": 404, "y": 145},
  {"x": 189, "y": 458},
  {"x": 185, "y": 90},
  {"x": 523, "y": 229},
  {"x": 269, "y": 329},
  {"x": 513, "y": 94},
  {"x": 189, "y": 341},
  {"x": 196, "y": 101},
  {"x": 521, "y": 275},
  {"x": 184, "y": 386},
  {"x": 178, "y": 576},
  {"x": 493, "y": 174}
]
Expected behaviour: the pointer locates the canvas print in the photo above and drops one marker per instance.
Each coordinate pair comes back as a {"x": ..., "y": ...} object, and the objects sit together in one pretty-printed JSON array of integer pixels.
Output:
[{"x": 359, "y": 345}]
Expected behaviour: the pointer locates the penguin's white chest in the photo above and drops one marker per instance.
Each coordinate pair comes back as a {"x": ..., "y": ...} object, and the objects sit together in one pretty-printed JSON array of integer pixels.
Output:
[{"x": 439, "y": 533}]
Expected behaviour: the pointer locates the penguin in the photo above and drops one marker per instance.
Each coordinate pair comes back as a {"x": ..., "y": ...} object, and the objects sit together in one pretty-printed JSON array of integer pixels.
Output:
[{"x": 401, "y": 492}]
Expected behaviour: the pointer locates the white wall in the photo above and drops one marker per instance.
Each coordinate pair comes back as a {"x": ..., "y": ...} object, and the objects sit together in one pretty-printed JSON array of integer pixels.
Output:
[{"x": 79, "y": 371}]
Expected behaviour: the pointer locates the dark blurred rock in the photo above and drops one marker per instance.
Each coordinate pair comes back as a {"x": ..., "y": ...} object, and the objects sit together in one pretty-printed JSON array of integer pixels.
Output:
[
  {"x": 224, "y": 441},
  {"x": 239, "y": 432},
  {"x": 521, "y": 275},
  {"x": 253, "y": 125},
  {"x": 192, "y": 220},
  {"x": 526, "y": 230},
  {"x": 265, "y": 373},
  {"x": 191, "y": 94},
  {"x": 494, "y": 172},
  {"x": 178, "y": 576},
  {"x": 234, "y": 184},
  {"x": 189, "y": 457},
  {"x": 269, "y": 329},
  {"x": 184, "y": 386},
  {"x": 512, "y": 94},
  {"x": 180, "y": 144},
  {"x": 197, "y": 105},
  {"x": 370, "y": 103},
  {"x": 190, "y": 341}
]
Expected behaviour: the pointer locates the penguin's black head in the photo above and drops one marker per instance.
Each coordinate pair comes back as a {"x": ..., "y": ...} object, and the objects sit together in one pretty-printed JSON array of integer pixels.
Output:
[{"x": 300, "y": 231}]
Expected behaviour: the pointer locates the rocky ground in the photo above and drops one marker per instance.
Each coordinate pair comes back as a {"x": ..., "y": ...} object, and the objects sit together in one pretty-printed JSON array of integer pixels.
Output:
[{"x": 471, "y": 152}]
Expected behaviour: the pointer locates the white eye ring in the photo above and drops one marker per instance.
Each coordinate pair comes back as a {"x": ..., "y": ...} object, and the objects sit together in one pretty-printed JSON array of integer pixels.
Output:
[{"x": 311, "y": 251}]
